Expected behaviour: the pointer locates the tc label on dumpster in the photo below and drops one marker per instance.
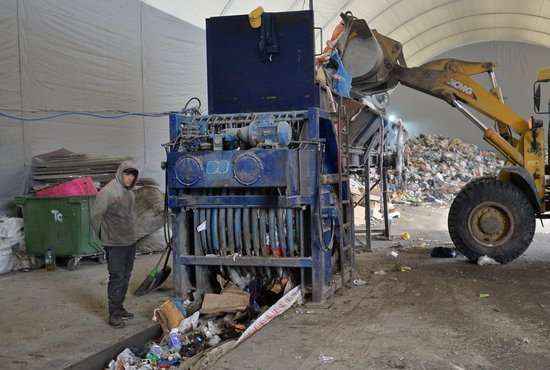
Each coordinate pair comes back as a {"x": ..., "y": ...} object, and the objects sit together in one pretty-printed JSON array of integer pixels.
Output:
[{"x": 57, "y": 216}]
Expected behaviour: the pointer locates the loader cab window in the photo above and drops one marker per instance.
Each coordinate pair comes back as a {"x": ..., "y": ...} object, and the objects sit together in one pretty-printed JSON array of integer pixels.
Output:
[
  {"x": 542, "y": 97},
  {"x": 541, "y": 92}
]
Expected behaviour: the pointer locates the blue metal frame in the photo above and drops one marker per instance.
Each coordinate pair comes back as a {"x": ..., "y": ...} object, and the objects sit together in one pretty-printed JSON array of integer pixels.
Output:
[
  {"x": 238, "y": 81},
  {"x": 295, "y": 171}
]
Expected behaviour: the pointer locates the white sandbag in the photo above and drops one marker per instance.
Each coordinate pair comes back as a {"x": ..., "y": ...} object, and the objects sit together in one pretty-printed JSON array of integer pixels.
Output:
[
  {"x": 10, "y": 227},
  {"x": 18, "y": 237},
  {"x": 6, "y": 256}
]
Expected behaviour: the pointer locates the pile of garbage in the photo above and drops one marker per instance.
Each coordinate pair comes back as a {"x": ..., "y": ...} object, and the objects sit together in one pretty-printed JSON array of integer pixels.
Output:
[
  {"x": 191, "y": 337},
  {"x": 200, "y": 329},
  {"x": 439, "y": 167}
]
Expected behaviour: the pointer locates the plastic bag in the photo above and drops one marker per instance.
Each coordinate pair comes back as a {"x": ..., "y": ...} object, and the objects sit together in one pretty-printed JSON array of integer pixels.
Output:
[
  {"x": 275, "y": 310},
  {"x": 192, "y": 322},
  {"x": 343, "y": 78}
]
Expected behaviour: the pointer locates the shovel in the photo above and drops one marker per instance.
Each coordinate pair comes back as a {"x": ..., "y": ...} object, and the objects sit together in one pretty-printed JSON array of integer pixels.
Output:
[
  {"x": 154, "y": 275},
  {"x": 163, "y": 274}
]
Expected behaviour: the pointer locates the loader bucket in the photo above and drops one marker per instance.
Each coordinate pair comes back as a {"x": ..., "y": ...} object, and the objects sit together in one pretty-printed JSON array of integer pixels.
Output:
[
  {"x": 361, "y": 53},
  {"x": 368, "y": 56}
]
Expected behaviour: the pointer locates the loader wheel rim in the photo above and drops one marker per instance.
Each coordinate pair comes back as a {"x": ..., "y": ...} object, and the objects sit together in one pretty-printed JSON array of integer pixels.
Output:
[{"x": 491, "y": 224}]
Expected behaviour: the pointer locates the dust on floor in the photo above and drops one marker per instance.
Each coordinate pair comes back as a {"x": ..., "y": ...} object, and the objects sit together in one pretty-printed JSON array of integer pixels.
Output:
[{"x": 438, "y": 314}]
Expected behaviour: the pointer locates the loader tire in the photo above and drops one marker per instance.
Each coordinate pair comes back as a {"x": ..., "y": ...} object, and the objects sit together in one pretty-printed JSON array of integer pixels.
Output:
[{"x": 491, "y": 218}]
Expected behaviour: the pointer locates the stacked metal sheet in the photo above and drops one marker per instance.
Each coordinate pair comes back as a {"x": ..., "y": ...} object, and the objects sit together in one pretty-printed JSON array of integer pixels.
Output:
[{"x": 62, "y": 165}]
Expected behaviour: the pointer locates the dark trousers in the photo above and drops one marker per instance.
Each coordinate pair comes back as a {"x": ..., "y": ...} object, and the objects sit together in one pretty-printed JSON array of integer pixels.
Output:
[{"x": 120, "y": 262}]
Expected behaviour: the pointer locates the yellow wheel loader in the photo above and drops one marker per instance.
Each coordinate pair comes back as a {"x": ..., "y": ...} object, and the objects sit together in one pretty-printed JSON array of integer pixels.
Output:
[{"x": 493, "y": 216}]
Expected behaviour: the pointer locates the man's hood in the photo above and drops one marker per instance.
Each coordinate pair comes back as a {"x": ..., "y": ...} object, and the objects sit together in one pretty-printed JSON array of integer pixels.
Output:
[{"x": 126, "y": 165}]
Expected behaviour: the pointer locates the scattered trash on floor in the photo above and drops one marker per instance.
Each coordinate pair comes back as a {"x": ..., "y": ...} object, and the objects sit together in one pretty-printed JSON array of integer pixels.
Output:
[
  {"x": 484, "y": 295},
  {"x": 231, "y": 299},
  {"x": 456, "y": 367},
  {"x": 392, "y": 255},
  {"x": 359, "y": 282},
  {"x": 484, "y": 260},
  {"x": 199, "y": 330},
  {"x": 405, "y": 236},
  {"x": 396, "y": 362},
  {"x": 168, "y": 315},
  {"x": 526, "y": 340},
  {"x": 380, "y": 272},
  {"x": 443, "y": 252},
  {"x": 325, "y": 359},
  {"x": 405, "y": 269},
  {"x": 301, "y": 311}
]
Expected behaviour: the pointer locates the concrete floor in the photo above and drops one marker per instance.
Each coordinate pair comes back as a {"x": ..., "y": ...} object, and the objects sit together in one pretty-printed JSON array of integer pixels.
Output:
[
  {"x": 428, "y": 318},
  {"x": 51, "y": 320}
]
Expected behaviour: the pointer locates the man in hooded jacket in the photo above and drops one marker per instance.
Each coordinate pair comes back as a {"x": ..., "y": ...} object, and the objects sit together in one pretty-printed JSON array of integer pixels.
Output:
[{"x": 113, "y": 219}]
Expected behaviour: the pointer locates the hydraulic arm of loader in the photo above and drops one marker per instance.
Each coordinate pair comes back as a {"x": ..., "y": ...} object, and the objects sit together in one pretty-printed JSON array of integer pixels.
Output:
[
  {"x": 519, "y": 141},
  {"x": 449, "y": 79}
]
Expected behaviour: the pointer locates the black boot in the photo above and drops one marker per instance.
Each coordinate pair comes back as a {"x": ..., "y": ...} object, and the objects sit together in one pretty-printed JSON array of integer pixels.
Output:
[
  {"x": 116, "y": 322},
  {"x": 125, "y": 315}
]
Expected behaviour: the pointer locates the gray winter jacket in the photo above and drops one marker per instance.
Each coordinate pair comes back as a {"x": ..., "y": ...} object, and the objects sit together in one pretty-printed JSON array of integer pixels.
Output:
[{"x": 113, "y": 216}]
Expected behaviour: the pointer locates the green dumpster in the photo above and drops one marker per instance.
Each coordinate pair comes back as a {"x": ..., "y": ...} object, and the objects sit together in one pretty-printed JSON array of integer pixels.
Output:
[{"x": 62, "y": 223}]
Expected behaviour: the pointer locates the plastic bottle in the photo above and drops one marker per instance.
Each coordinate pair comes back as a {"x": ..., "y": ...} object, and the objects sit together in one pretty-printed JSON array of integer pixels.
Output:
[
  {"x": 392, "y": 255},
  {"x": 49, "y": 259}
]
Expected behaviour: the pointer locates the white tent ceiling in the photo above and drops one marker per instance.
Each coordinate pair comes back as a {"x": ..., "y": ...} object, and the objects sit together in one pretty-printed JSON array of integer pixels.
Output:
[{"x": 426, "y": 28}]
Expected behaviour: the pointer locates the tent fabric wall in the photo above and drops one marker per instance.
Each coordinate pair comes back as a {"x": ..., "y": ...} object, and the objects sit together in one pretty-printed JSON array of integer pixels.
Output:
[
  {"x": 12, "y": 151},
  {"x": 78, "y": 55},
  {"x": 174, "y": 66}
]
